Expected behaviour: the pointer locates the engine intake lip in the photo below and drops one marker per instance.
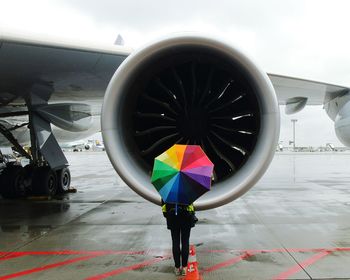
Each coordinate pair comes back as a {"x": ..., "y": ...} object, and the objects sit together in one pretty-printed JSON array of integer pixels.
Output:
[{"x": 121, "y": 100}]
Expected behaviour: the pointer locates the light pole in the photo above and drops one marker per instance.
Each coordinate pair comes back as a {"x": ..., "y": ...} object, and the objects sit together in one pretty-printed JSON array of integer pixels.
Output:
[{"x": 294, "y": 121}]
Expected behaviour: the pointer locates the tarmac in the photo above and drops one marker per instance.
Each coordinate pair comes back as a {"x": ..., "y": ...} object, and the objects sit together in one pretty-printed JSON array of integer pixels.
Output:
[{"x": 294, "y": 224}]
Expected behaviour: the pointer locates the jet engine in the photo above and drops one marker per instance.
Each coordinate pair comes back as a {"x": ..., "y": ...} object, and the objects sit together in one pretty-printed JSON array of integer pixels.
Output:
[
  {"x": 191, "y": 90},
  {"x": 342, "y": 124}
]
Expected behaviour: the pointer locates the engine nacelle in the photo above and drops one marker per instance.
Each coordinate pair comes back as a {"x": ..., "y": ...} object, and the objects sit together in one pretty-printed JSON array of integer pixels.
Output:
[
  {"x": 191, "y": 90},
  {"x": 342, "y": 124}
]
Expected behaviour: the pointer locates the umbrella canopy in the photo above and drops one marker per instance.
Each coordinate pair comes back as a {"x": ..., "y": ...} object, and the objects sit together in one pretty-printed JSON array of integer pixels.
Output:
[{"x": 182, "y": 174}]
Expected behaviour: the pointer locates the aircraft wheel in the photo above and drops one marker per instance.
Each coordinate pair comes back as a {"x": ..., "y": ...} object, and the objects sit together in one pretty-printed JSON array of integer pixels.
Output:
[
  {"x": 44, "y": 181},
  {"x": 12, "y": 182},
  {"x": 28, "y": 173},
  {"x": 63, "y": 180}
]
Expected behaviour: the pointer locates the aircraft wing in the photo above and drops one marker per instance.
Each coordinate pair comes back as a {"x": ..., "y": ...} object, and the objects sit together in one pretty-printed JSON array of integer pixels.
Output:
[
  {"x": 76, "y": 72},
  {"x": 317, "y": 93},
  {"x": 73, "y": 74},
  {"x": 81, "y": 71}
]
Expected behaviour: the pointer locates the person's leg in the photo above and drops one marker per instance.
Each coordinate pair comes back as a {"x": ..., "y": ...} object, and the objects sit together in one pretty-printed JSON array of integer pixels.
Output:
[
  {"x": 185, "y": 244},
  {"x": 175, "y": 236}
]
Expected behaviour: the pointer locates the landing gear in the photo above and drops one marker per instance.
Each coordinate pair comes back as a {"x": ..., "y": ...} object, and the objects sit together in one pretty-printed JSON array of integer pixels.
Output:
[
  {"x": 12, "y": 182},
  {"x": 63, "y": 180},
  {"x": 47, "y": 172},
  {"x": 17, "y": 181},
  {"x": 44, "y": 181}
]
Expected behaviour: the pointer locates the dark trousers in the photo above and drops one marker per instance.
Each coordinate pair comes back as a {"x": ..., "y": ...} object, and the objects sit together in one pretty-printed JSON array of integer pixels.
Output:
[{"x": 182, "y": 233}]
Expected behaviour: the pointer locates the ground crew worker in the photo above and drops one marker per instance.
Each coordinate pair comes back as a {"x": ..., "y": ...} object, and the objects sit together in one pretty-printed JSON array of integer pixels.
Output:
[{"x": 180, "y": 219}]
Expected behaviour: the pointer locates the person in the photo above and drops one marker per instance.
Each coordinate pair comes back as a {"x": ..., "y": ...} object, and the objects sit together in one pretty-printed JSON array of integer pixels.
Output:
[{"x": 180, "y": 219}]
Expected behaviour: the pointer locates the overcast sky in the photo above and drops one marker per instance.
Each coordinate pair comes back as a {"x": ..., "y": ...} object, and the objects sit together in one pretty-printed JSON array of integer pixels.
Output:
[{"x": 307, "y": 39}]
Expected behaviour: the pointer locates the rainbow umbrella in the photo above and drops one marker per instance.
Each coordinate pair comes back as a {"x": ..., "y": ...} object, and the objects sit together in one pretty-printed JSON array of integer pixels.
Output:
[{"x": 182, "y": 174}]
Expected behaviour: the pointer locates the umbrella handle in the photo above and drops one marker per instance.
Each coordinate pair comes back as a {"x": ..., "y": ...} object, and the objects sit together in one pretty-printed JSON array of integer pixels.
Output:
[{"x": 176, "y": 209}]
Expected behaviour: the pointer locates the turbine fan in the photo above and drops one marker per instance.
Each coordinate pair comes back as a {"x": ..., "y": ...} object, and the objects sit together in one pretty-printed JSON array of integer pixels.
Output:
[{"x": 197, "y": 101}]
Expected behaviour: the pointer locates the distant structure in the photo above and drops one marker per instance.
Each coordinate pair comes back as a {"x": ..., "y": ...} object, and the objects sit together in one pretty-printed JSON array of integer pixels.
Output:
[
  {"x": 279, "y": 147},
  {"x": 294, "y": 121},
  {"x": 331, "y": 147}
]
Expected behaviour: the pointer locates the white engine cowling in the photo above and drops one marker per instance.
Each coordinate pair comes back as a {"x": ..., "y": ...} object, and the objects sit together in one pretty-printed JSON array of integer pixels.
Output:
[
  {"x": 191, "y": 90},
  {"x": 342, "y": 124}
]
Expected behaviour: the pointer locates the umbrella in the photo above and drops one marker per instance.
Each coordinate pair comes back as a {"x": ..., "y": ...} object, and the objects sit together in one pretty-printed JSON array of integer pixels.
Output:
[{"x": 182, "y": 174}]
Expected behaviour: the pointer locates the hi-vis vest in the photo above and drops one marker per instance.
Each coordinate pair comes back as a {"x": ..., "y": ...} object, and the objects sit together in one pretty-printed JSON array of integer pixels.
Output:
[{"x": 189, "y": 208}]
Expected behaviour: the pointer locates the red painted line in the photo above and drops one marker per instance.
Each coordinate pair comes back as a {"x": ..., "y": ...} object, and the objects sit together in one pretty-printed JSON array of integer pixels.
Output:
[
  {"x": 278, "y": 250},
  {"x": 243, "y": 251},
  {"x": 339, "y": 249},
  {"x": 68, "y": 252},
  {"x": 41, "y": 268},
  {"x": 10, "y": 256},
  {"x": 111, "y": 252},
  {"x": 298, "y": 267},
  {"x": 305, "y": 250},
  {"x": 126, "y": 268},
  {"x": 228, "y": 262},
  {"x": 73, "y": 252}
]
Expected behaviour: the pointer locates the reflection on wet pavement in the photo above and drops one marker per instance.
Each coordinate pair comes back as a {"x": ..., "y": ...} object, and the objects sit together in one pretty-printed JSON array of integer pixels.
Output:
[{"x": 298, "y": 213}]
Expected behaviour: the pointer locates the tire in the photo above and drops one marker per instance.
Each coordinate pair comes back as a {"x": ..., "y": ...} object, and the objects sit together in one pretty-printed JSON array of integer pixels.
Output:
[
  {"x": 44, "y": 181},
  {"x": 29, "y": 171},
  {"x": 12, "y": 182},
  {"x": 63, "y": 180}
]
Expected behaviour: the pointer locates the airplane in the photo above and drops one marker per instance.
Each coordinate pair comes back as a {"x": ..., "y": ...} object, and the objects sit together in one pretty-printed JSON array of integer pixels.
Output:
[
  {"x": 83, "y": 145},
  {"x": 184, "y": 88},
  {"x": 76, "y": 146}
]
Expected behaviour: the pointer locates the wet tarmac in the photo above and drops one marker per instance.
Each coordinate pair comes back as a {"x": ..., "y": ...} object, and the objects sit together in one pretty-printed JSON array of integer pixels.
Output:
[{"x": 294, "y": 224}]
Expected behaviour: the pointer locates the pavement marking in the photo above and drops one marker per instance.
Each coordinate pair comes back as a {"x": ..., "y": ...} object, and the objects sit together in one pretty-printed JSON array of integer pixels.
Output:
[
  {"x": 244, "y": 254},
  {"x": 70, "y": 252},
  {"x": 277, "y": 250},
  {"x": 49, "y": 266},
  {"x": 126, "y": 268},
  {"x": 229, "y": 262},
  {"x": 298, "y": 267},
  {"x": 321, "y": 253},
  {"x": 10, "y": 256},
  {"x": 4, "y": 254}
]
